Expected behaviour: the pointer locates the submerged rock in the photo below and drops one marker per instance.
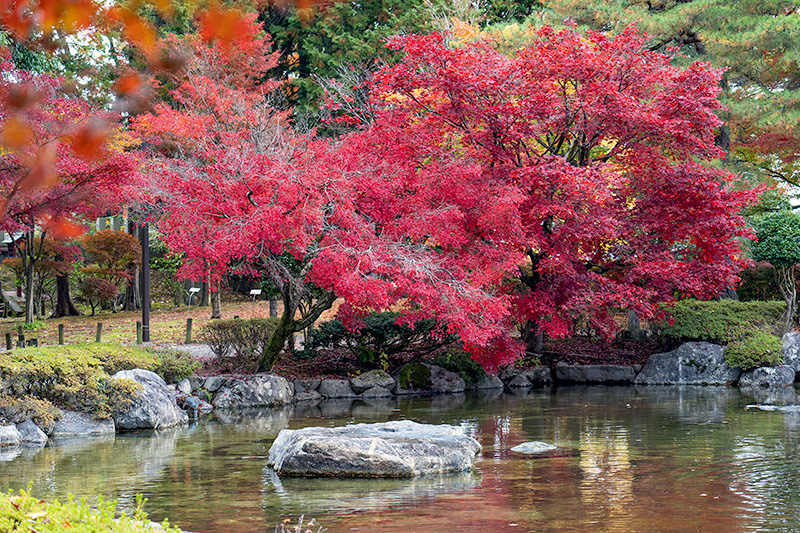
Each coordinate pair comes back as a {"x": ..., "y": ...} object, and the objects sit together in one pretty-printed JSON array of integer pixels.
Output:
[
  {"x": 389, "y": 449},
  {"x": 692, "y": 363},
  {"x": 534, "y": 447},
  {"x": 155, "y": 406}
]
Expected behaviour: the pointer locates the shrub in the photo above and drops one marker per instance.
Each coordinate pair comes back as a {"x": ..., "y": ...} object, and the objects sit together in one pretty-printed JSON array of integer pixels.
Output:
[
  {"x": 380, "y": 337},
  {"x": 17, "y": 410},
  {"x": 462, "y": 363},
  {"x": 757, "y": 348},
  {"x": 174, "y": 365},
  {"x": 720, "y": 321},
  {"x": 24, "y": 513},
  {"x": 238, "y": 344},
  {"x": 79, "y": 376}
]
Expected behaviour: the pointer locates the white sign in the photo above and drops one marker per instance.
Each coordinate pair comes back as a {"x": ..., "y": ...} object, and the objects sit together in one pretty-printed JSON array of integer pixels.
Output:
[
  {"x": 194, "y": 290},
  {"x": 255, "y": 292}
]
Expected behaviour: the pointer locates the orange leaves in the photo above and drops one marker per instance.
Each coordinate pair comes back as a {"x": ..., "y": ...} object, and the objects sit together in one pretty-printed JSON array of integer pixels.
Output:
[
  {"x": 219, "y": 24},
  {"x": 63, "y": 229},
  {"x": 16, "y": 134},
  {"x": 90, "y": 139}
]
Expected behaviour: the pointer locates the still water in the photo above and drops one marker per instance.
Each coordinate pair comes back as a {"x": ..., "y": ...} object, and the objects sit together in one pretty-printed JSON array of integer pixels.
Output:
[{"x": 629, "y": 459}]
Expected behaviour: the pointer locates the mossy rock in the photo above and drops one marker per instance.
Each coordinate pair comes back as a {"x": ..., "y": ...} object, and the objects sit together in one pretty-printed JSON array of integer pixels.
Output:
[{"x": 414, "y": 376}]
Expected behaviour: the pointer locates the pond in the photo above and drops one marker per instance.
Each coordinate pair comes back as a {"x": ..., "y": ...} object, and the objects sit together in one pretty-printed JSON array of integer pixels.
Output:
[{"x": 629, "y": 459}]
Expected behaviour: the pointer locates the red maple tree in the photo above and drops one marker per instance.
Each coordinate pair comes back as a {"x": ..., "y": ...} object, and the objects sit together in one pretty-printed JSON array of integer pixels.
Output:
[
  {"x": 595, "y": 152},
  {"x": 56, "y": 166}
]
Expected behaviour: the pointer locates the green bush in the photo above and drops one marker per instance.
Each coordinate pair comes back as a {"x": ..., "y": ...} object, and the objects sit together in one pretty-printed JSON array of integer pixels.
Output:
[
  {"x": 238, "y": 344},
  {"x": 173, "y": 365},
  {"x": 720, "y": 321},
  {"x": 757, "y": 348},
  {"x": 79, "y": 376},
  {"x": 380, "y": 338},
  {"x": 23, "y": 513},
  {"x": 462, "y": 363},
  {"x": 19, "y": 409}
]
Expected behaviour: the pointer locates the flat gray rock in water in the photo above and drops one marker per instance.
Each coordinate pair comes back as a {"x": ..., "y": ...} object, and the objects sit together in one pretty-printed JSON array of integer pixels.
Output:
[
  {"x": 371, "y": 379},
  {"x": 10, "y": 436},
  {"x": 336, "y": 388},
  {"x": 534, "y": 447},
  {"x": 692, "y": 363},
  {"x": 389, "y": 449},
  {"x": 155, "y": 407},
  {"x": 258, "y": 390},
  {"x": 594, "y": 373},
  {"x": 73, "y": 424}
]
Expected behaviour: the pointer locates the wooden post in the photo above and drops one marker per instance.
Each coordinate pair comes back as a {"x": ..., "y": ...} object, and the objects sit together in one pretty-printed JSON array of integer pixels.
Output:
[
  {"x": 61, "y": 334},
  {"x": 21, "y": 332},
  {"x": 145, "y": 237},
  {"x": 138, "y": 332},
  {"x": 9, "y": 342},
  {"x": 21, "y": 341},
  {"x": 188, "y": 331},
  {"x": 99, "y": 335}
]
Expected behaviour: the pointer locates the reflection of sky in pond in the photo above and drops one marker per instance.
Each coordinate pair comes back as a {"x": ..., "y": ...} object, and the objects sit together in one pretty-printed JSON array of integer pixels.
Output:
[{"x": 628, "y": 459}]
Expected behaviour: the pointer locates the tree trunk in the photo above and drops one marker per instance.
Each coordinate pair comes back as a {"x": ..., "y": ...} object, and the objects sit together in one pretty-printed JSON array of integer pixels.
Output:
[
  {"x": 64, "y": 305},
  {"x": 204, "y": 295},
  {"x": 273, "y": 306},
  {"x": 272, "y": 350},
  {"x": 216, "y": 304},
  {"x": 533, "y": 337},
  {"x": 788, "y": 289},
  {"x": 29, "y": 291},
  {"x": 133, "y": 299}
]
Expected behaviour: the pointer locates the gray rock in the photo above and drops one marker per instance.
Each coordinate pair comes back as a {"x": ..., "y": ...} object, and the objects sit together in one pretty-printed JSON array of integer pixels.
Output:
[
  {"x": 539, "y": 376},
  {"x": 791, "y": 350},
  {"x": 768, "y": 377},
  {"x": 307, "y": 396},
  {"x": 390, "y": 449},
  {"x": 508, "y": 373},
  {"x": 205, "y": 407},
  {"x": 519, "y": 382},
  {"x": 487, "y": 382},
  {"x": 445, "y": 382},
  {"x": 197, "y": 382},
  {"x": 594, "y": 373},
  {"x": 637, "y": 368},
  {"x": 185, "y": 386},
  {"x": 10, "y": 436},
  {"x": 377, "y": 392},
  {"x": 533, "y": 447},
  {"x": 214, "y": 383},
  {"x": 692, "y": 363},
  {"x": 373, "y": 378},
  {"x": 258, "y": 390},
  {"x": 336, "y": 388},
  {"x": 301, "y": 385},
  {"x": 31, "y": 434},
  {"x": 155, "y": 406},
  {"x": 73, "y": 424}
]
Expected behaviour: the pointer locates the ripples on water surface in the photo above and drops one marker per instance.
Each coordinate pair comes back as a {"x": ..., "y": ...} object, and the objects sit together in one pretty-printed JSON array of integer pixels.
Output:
[{"x": 649, "y": 459}]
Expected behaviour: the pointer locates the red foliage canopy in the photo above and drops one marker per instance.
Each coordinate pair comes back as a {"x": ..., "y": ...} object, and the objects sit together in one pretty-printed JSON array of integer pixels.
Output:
[{"x": 584, "y": 160}]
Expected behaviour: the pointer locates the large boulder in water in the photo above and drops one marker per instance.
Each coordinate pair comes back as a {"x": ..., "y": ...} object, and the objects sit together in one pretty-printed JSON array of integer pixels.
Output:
[
  {"x": 390, "y": 449},
  {"x": 768, "y": 377},
  {"x": 155, "y": 406},
  {"x": 692, "y": 363},
  {"x": 258, "y": 390},
  {"x": 74, "y": 424}
]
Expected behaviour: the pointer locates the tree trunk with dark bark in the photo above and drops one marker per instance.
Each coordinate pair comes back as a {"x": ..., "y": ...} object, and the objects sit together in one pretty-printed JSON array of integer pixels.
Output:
[{"x": 64, "y": 305}]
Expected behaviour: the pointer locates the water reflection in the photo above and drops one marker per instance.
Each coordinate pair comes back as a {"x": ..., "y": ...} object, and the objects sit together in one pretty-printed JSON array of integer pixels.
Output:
[{"x": 629, "y": 459}]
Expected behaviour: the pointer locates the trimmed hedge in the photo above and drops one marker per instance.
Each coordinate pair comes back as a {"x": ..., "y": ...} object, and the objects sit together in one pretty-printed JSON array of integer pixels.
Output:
[
  {"x": 78, "y": 377},
  {"x": 238, "y": 343},
  {"x": 747, "y": 328},
  {"x": 720, "y": 321},
  {"x": 22, "y": 513}
]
